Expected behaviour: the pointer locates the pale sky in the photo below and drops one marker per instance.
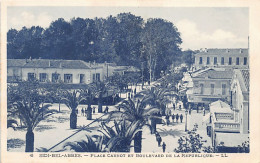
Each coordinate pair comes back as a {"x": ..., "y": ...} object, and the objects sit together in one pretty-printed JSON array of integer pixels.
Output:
[{"x": 199, "y": 27}]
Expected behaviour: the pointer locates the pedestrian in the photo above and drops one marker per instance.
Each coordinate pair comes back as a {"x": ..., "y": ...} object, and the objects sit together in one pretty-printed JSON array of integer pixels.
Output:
[
  {"x": 177, "y": 118},
  {"x": 204, "y": 111},
  {"x": 163, "y": 147},
  {"x": 135, "y": 91},
  {"x": 85, "y": 111},
  {"x": 173, "y": 117},
  {"x": 94, "y": 110},
  {"x": 169, "y": 112},
  {"x": 197, "y": 109},
  {"x": 167, "y": 120},
  {"x": 173, "y": 106},
  {"x": 106, "y": 109},
  {"x": 159, "y": 140},
  {"x": 181, "y": 117},
  {"x": 82, "y": 112},
  {"x": 179, "y": 106}
]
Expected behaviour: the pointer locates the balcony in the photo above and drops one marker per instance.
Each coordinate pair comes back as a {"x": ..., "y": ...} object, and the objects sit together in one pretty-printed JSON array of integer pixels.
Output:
[{"x": 227, "y": 127}]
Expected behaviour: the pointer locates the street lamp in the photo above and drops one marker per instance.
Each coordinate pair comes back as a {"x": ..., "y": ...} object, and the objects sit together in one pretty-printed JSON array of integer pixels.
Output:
[{"x": 186, "y": 112}]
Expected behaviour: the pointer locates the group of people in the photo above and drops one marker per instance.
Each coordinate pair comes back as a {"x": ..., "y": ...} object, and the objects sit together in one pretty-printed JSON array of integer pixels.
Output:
[
  {"x": 84, "y": 111},
  {"x": 159, "y": 141},
  {"x": 173, "y": 116}
]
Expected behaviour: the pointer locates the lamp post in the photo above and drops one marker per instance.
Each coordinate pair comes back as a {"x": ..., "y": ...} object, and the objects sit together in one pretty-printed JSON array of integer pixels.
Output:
[{"x": 186, "y": 112}]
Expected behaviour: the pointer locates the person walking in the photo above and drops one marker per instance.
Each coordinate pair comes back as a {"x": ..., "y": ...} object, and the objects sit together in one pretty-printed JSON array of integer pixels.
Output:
[
  {"x": 82, "y": 112},
  {"x": 94, "y": 110},
  {"x": 167, "y": 120},
  {"x": 106, "y": 109},
  {"x": 173, "y": 117},
  {"x": 85, "y": 111},
  {"x": 158, "y": 139},
  {"x": 204, "y": 111},
  {"x": 173, "y": 105},
  {"x": 181, "y": 117},
  {"x": 164, "y": 147},
  {"x": 177, "y": 118}
]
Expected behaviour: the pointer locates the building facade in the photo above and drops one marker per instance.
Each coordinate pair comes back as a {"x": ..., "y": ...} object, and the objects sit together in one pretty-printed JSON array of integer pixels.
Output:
[
  {"x": 240, "y": 98},
  {"x": 44, "y": 70},
  {"x": 209, "y": 85},
  {"x": 225, "y": 58}
]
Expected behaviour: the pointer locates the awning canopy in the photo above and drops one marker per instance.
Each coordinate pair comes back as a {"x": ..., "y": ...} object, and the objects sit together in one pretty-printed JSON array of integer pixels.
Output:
[{"x": 220, "y": 107}]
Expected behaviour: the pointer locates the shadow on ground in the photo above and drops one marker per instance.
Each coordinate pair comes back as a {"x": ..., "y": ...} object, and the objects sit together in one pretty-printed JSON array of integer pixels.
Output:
[
  {"x": 171, "y": 132},
  {"x": 41, "y": 128},
  {"x": 15, "y": 143}
]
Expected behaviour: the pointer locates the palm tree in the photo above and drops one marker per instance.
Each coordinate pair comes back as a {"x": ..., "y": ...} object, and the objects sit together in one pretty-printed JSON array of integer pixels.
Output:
[
  {"x": 31, "y": 114},
  {"x": 27, "y": 105},
  {"x": 89, "y": 96},
  {"x": 87, "y": 146},
  {"x": 99, "y": 89},
  {"x": 72, "y": 100},
  {"x": 159, "y": 96},
  {"x": 119, "y": 137},
  {"x": 137, "y": 111}
]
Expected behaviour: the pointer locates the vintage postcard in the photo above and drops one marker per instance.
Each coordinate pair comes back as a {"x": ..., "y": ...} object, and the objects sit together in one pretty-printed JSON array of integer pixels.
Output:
[{"x": 142, "y": 81}]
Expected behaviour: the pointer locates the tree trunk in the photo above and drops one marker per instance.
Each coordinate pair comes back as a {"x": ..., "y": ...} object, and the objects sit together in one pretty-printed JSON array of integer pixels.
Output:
[
  {"x": 100, "y": 104},
  {"x": 138, "y": 142},
  {"x": 89, "y": 112},
  {"x": 59, "y": 105},
  {"x": 163, "y": 110},
  {"x": 29, "y": 141},
  {"x": 153, "y": 125},
  {"x": 73, "y": 120}
]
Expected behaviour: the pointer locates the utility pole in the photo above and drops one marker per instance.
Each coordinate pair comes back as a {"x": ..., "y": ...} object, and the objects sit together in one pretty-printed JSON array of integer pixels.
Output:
[
  {"x": 142, "y": 66},
  {"x": 150, "y": 68}
]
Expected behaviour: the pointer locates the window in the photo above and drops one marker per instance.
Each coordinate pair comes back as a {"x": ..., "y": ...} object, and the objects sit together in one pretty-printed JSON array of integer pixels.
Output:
[
  {"x": 215, "y": 60},
  {"x": 212, "y": 86},
  {"x": 200, "y": 60},
  {"x": 55, "y": 77},
  {"x": 201, "y": 88},
  {"x": 208, "y": 60},
  {"x": 43, "y": 77},
  {"x": 82, "y": 78},
  {"x": 222, "y": 60},
  {"x": 31, "y": 76},
  {"x": 224, "y": 89},
  {"x": 98, "y": 76},
  {"x": 67, "y": 78},
  {"x": 230, "y": 61},
  {"x": 237, "y": 61},
  {"x": 245, "y": 60}
]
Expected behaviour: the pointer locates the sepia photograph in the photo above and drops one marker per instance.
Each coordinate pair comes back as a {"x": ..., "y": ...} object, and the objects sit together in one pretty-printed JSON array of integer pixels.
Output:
[{"x": 105, "y": 81}]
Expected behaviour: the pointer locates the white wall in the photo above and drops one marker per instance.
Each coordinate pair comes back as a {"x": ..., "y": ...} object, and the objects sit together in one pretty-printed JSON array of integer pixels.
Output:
[{"x": 75, "y": 73}]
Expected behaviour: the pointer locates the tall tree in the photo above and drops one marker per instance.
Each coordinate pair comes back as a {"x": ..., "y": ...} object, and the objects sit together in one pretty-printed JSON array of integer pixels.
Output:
[
  {"x": 72, "y": 100},
  {"x": 161, "y": 41},
  {"x": 28, "y": 107}
]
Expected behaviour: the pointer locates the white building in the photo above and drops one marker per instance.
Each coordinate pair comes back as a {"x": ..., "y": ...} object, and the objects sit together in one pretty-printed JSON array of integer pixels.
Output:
[
  {"x": 225, "y": 58},
  {"x": 45, "y": 70}
]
